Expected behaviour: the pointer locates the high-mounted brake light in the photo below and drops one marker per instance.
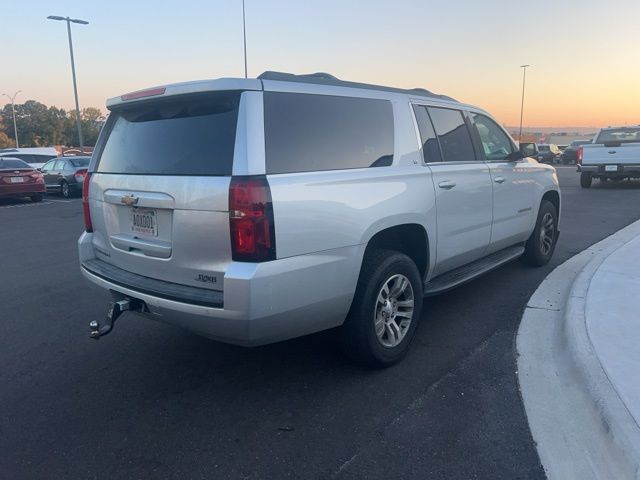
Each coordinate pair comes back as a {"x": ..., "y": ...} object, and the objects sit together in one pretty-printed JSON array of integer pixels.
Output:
[
  {"x": 151, "y": 92},
  {"x": 88, "y": 226},
  {"x": 579, "y": 156},
  {"x": 251, "y": 220}
]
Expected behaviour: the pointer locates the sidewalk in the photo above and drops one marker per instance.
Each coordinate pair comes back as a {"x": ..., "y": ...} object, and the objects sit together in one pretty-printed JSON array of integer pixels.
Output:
[{"x": 579, "y": 362}]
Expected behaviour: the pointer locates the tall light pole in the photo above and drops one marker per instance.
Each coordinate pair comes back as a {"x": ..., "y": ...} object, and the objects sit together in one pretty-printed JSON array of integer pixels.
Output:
[
  {"x": 244, "y": 36},
  {"x": 13, "y": 111},
  {"x": 73, "y": 70},
  {"x": 524, "y": 79}
]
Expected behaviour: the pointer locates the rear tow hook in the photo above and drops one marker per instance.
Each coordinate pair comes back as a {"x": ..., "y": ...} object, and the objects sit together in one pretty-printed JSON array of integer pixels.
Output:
[{"x": 116, "y": 309}]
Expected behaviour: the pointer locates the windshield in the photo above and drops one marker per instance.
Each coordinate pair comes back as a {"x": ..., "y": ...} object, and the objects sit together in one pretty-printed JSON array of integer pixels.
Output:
[
  {"x": 80, "y": 162},
  {"x": 12, "y": 164},
  {"x": 619, "y": 135},
  {"x": 543, "y": 148},
  {"x": 192, "y": 135}
]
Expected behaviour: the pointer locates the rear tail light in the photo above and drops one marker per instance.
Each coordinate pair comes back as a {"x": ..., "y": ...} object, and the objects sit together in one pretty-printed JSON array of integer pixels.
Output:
[
  {"x": 85, "y": 203},
  {"x": 579, "y": 156},
  {"x": 81, "y": 174},
  {"x": 251, "y": 220}
]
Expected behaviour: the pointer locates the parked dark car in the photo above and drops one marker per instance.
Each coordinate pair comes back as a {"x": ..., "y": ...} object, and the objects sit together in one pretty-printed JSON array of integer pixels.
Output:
[
  {"x": 65, "y": 175},
  {"x": 19, "y": 179},
  {"x": 570, "y": 154},
  {"x": 548, "y": 153}
]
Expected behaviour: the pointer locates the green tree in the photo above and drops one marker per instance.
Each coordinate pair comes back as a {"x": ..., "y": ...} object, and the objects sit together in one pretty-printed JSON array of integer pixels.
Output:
[
  {"x": 5, "y": 141},
  {"x": 42, "y": 126},
  {"x": 91, "y": 120}
]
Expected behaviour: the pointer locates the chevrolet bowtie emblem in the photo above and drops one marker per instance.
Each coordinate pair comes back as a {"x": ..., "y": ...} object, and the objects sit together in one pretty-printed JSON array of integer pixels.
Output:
[{"x": 129, "y": 200}]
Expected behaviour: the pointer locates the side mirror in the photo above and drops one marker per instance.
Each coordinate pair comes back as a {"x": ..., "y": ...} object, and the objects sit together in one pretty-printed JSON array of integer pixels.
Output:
[{"x": 528, "y": 149}]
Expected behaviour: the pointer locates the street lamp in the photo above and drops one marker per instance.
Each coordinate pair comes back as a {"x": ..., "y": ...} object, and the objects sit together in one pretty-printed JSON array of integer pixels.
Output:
[
  {"x": 73, "y": 70},
  {"x": 13, "y": 111},
  {"x": 524, "y": 78},
  {"x": 244, "y": 36}
]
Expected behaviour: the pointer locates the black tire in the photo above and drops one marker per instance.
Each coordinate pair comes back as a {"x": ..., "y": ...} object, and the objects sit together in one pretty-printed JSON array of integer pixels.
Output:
[
  {"x": 585, "y": 180},
  {"x": 537, "y": 251},
  {"x": 65, "y": 189},
  {"x": 358, "y": 336},
  {"x": 37, "y": 197}
]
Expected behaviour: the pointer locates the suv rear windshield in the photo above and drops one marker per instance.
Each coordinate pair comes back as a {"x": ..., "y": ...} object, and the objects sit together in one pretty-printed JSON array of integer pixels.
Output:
[
  {"x": 192, "y": 135},
  {"x": 305, "y": 132}
]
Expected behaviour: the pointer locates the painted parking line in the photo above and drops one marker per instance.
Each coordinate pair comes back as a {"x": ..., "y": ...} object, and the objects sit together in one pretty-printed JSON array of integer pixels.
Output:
[{"x": 59, "y": 201}]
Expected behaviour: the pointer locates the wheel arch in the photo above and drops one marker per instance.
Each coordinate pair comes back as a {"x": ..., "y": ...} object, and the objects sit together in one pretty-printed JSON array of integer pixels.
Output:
[
  {"x": 552, "y": 196},
  {"x": 410, "y": 238}
]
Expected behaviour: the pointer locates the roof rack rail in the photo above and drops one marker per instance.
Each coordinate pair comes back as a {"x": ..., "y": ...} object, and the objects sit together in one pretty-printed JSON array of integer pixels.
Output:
[{"x": 322, "y": 78}]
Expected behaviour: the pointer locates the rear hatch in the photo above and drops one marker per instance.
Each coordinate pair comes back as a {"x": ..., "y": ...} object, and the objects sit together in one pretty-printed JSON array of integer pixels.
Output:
[{"x": 160, "y": 185}]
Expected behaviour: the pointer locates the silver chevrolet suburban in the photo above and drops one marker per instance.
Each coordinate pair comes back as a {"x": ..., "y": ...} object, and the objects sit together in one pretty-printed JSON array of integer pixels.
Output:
[{"x": 256, "y": 210}]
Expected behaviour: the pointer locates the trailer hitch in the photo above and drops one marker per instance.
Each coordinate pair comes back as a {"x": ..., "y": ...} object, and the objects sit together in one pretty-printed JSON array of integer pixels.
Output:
[{"x": 116, "y": 308}]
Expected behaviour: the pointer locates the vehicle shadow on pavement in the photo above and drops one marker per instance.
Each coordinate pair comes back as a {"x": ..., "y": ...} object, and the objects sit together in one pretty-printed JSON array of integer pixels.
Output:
[
  {"x": 11, "y": 201},
  {"x": 616, "y": 185}
]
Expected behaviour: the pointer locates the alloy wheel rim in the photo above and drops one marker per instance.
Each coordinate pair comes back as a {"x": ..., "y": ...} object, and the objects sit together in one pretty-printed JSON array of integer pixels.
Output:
[
  {"x": 547, "y": 233},
  {"x": 65, "y": 190},
  {"x": 393, "y": 312}
]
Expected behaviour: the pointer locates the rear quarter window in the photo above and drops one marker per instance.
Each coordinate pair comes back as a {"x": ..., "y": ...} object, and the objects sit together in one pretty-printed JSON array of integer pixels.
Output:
[
  {"x": 189, "y": 135},
  {"x": 305, "y": 132}
]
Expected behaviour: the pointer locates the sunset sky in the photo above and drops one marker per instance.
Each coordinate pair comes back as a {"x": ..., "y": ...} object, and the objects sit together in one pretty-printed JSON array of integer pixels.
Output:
[{"x": 585, "y": 55}]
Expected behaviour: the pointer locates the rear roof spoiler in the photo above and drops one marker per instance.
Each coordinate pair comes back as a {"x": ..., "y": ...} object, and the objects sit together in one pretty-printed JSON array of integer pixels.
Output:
[{"x": 185, "y": 88}]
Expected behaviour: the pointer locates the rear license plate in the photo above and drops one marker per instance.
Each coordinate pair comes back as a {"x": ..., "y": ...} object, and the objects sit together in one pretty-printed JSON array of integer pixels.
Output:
[
  {"x": 144, "y": 220},
  {"x": 611, "y": 168},
  {"x": 17, "y": 179}
]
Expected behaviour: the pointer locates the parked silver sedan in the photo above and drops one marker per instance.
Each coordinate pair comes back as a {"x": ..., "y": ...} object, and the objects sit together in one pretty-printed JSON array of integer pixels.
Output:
[{"x": 65, "y": 175}]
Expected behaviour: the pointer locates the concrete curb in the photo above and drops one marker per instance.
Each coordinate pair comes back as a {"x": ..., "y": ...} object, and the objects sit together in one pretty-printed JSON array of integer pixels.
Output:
[{"x": 581, "y": 427}]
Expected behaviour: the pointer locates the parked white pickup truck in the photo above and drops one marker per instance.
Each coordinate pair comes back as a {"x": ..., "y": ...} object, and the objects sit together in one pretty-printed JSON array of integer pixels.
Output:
[{"x": 614, "y": 155}]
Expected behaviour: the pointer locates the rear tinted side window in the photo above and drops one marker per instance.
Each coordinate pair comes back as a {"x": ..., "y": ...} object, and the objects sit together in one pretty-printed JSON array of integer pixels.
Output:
[
  {"x": 430, "y": 147},
  {"x": 191, "y": 135},
  {"x": 306, "y": 133},
  {"x": 452, "y": 131}
]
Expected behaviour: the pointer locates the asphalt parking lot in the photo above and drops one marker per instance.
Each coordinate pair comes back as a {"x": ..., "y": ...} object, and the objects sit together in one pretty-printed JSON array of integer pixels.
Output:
[{"x": 154, "y": 401}]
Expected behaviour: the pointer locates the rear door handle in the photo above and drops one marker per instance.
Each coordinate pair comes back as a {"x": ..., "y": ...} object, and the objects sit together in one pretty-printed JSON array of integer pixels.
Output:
[
  {"x": 447, "y": 184},
  {"x": 499, "y": 179}
]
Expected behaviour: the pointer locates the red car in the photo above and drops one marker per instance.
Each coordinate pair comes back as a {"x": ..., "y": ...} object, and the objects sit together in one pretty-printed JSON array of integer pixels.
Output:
[{"x": 19, "y": 179}]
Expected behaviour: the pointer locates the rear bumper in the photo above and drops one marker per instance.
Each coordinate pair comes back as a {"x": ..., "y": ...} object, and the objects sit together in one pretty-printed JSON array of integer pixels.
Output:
[
  {"x": 17, "y": 190},
  {"x": 621, "y": 170},
  {"x": 261, "y": 303}
]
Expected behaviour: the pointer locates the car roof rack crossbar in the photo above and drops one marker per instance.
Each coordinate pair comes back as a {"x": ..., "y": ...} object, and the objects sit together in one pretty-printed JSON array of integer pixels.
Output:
[{"x": 322, "y": 78}]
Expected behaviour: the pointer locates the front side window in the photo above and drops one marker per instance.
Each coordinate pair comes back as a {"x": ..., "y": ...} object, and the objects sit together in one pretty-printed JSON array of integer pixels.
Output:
[
  {"x": 48, "y": 167},
  {"x": 60, "y": 165},
  {"x": 495, "y": 142},
  {"x": 453, "y": 134},
  {"x": 305, "y": 132}
]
